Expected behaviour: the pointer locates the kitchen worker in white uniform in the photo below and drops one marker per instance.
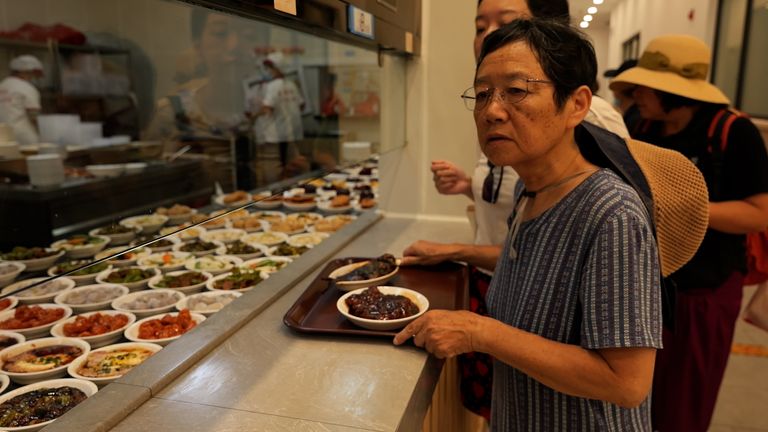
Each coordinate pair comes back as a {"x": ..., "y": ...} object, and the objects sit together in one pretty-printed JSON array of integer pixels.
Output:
[{"x": 20, "y": 99}]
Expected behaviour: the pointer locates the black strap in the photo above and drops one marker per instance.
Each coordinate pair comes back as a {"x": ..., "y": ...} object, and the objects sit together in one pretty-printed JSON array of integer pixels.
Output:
[{"x": 717, "y": 142}]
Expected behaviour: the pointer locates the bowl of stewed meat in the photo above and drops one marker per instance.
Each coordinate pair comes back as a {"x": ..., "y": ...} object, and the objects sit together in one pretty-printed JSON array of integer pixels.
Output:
[
  {"x": 40, "y": 359},
  {"x": 33, "y": 320},
  {"x": 186, "y": 281},
  {"x": 97, "y": 328},
  {"x": 163, "y": 329},
  {"x": 383, "y": 307},
  {"x": 239, "y": 279},
  {"x": 35, "y": 406}
]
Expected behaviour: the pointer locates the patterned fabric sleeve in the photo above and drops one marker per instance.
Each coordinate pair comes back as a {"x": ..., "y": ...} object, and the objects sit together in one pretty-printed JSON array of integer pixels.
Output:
[{"x": 620, "y": 290}]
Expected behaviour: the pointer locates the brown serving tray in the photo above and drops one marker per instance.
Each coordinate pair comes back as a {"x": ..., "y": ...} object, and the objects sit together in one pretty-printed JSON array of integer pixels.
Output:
[{"x": 444, "y": 285}]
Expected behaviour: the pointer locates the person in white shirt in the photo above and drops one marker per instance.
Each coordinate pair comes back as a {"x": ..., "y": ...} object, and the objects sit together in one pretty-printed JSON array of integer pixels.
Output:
[{"x": 20, "y": 100}]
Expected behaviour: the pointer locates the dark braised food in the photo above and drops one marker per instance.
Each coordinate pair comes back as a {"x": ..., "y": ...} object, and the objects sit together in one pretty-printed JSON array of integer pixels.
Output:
[
  {"x": 129, "y": 275},
  {"x": 71, "y": 265},
  {"x": 373, "y": 304},
  {"x": 288, "y": 250},
  {"x": 4, "y": 304},
  {"x": 182, "y": 280},
  {"x": 238, "y": 279},
  {"x": 376, "y": 267},
  {"x": 239, "y": 248},
  {"x": 6, "y": 341},
  {"x": 198, "y": 246},
  {"x": 41, "y": 359},
  {"x": 115, "y": 229},
  {"x": 31, "y": 316},
  {"x": 22, "y": 253},
  {"x": 39, "y": 406}
]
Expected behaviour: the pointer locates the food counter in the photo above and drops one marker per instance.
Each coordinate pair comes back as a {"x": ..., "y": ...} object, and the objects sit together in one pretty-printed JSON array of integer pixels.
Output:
[{"x": 243, "y": 369}]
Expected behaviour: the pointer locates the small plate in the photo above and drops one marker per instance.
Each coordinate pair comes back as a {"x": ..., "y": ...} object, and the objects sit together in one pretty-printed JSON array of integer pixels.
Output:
[
  {"x": 417, "y": 298},
  {"x": 353, "y": 285}
]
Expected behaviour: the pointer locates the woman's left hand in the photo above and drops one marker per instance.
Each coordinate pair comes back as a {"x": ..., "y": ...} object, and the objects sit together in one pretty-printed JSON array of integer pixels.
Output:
[{"x": 443, "y": 333}]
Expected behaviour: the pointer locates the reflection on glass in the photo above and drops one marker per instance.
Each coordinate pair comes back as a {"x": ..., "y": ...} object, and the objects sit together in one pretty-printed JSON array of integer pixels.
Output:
[
  {"x": 729, "y": 45},
  {"x": 756, "y": 67}
]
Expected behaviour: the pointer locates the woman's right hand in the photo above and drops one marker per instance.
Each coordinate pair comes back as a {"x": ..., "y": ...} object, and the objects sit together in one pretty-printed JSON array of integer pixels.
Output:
[{"x": 450, "y": 179}]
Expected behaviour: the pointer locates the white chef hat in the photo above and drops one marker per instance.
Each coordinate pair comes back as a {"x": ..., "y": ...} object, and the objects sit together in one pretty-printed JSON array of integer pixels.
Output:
[
  {"x": 274, "y": 59},
  {"x": 26, "y": 63}
]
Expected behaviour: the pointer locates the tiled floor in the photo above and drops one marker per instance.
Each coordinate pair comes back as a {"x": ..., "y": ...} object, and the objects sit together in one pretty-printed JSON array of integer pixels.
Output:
[{"x": 742, "y": 405}]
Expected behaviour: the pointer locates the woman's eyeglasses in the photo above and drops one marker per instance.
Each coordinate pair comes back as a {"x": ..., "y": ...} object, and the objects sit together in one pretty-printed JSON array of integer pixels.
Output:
[
  {"x": 476, "y": 99},
  {"x": 491, "y": 189}
]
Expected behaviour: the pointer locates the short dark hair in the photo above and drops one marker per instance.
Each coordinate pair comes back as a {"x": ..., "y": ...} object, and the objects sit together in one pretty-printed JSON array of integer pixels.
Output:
[
  {"x": 548, "y": 9},
  {"x": 671, "y": 101},
  {"x": 565, "y": 54}
]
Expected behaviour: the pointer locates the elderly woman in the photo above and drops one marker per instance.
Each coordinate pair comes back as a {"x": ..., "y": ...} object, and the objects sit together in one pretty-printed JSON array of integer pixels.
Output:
[
  {"x": 574, "y": 303},
  {"x": 686, "y": 113}
]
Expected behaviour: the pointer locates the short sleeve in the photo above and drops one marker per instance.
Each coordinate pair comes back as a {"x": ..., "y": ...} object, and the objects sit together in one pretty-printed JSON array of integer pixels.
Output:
[
  {"x": 745, "y": 163},
  {"x": 620, "y": 290},
  {"x": 271, "y": 92}
]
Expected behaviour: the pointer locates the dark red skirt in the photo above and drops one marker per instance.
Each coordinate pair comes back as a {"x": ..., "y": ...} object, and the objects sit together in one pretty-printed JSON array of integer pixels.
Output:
[{"x": 690, "y": 368}]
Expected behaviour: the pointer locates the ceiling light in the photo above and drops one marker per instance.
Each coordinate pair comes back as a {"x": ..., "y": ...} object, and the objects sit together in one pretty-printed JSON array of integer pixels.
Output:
[
  {"x": 597, "y": 2},
  {"x": 584, "y": 24},
  {"x": 592, "y": 10},
  {"x": 587, "y": 18}
]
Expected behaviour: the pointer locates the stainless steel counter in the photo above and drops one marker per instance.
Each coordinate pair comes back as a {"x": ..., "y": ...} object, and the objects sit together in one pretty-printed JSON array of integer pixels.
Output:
[{"x": 265, "y": 377}]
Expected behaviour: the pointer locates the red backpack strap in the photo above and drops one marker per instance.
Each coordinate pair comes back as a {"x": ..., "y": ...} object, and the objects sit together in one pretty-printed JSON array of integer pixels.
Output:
[{"x": 721, "y": 126}]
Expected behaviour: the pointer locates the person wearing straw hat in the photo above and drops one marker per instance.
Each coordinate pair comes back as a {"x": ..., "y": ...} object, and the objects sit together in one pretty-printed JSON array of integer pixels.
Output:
[
  {"x": 681, "y": 109},
  {"x": 20, "y": 99},
  {"x": 575, "y": 300}
]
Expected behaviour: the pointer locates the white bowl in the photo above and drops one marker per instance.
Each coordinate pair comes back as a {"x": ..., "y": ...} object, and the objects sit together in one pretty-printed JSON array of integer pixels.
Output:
[
  {"x": 135, "y": 255},
  {"x": 273, "y": 251},
  {"x": 330, "y": 225},
  {"x": 264, "y": 264},
  {"x": 219, "y": 199},
  {"x": 227, "y": 235},
  {"x": 37, "y": 331},
  {"x": 66, "y": 297},
  {"x": 40, "y": 293},
  {"x": 134, "y": 167},
  {"x": 305, "y": 206},
  {"x": 4, "y": 382},
  {"x": 105, "y": 170},
  {"x": 132, "y": 332},
  {"x": 256, "y": 224},
  {"x": 148, "y": 223},
  {"x": 99, "y": 340},
  {"x": 12, "y": 302},
  {"x": 326, "y": 207},
  {"x": 133, "y": 286},
  {"x": 13, "y": 335},
  {"x": 156, "y": 246},
  {"x": 353, "y": 285},
  {"x": 165, "y": 261},
  {"x": 120, "y": 302},
  {"x": 55, "y": 372},
  {"x": 212, "y": 308},
  {"x": 153, "y": 283},
  {"x": 40, "y": 263},
  {"x": 261, "y": 250},
  {"x": 118, "y": 238},
  {"x": 81, "y": 251},
  {"x": 307, "y": 239},
  {"x": 86, "y": 387},
  {"x": 186, "y": 234},
  {"x": 260, "y": 201},
  {"x": 73, "y": 367},
  {"x": 180, "y": 246},
  {"x": 267, "y": 215},
  {"x": 421, "y": 302},
  {"x": 213, "y": 264},
  {"x": 309, "y": 218},
  {"x": 81, "y": 279},
  {"x": 178, "y": 219},
  {"x": 14, "y": 270},
  {"x": 267, "y": 238},
  {"x": 210, "y": 285}
]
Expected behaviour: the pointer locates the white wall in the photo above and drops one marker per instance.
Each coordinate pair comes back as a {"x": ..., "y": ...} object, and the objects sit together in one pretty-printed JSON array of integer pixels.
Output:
[{"x": 599, "y": 34}]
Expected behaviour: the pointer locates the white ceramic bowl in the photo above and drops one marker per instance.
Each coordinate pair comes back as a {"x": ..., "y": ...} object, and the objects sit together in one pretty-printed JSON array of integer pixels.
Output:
[
  {"x": 357, "y": 284},
  {"x": 153, "y": 283},
  {"x": 213, "y": 264},
  {"x": 267, "y": 238},
  {"x": 227, "y": 235},
  {"x": 37, "y": 331},
  {"x": 73, "y": 367},
  {"x": 133, "y": 286},
  {"x": 4, "y": 382},
  {"x": 128, "y": 261},
  {"x": 268, "y": 215},
  {"x": 330, "y": 224},
  {"x": 132, "y": 332},
  {"x": 186, "y": 234},
  {"x": 254, "y": 224},
  {"x": 180, "y": 246},
  {"x": 200, "y": 299},
  {"x": 37, "y": 264},
  {"x": 105, "y": 170},
  {"x": 55, "y": 372},
  {"x": 117, "y": 238},
  {"x": 261, "y": 202},
  {"x": 12, "y": 302},
  {"x": 86, "y": 387},
  {"x": 267, "y": 264},
  {"x": 165, "y": 261},
  {"x": 134, "y": 167},
  {"x": 309, "y": 218},
  {"x": 148, "y": 223},
  {"x": 261, "y": 250},
  {"x": 219, "y": 199},
  {"x": 80, "y": 279},
  {"x": 304, "y": 206},
  {"x": 99, "y": 340},
  {"x": 120, "y": 303},
  {"x": 81, "y": 251},
  {"x": 307, "y": 239},
  {"x": 159, "y": 244},
  {"x": 178, "y": 219},
  {"x": 13, "y": 269},
  {"x": 415, "y": 297},
  {"x": 210, "y": 285},
  {"x": 109, "y": 293},
  {"x": 326, "y": 207},
  {"x": 42, "y": 293},
  {"x": 11, "y": 334},
  {"x": 275, "y": 252}
]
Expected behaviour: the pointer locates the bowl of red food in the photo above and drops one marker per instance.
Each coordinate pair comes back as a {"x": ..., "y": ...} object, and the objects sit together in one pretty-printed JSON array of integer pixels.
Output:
[
  {"x": 163, "y": 329},
  {"x": 41, "y": 359},
  {"x": 96, "y": 328},
  {"x": 383, "y": 307},
  {"x": 35, "y": 406},
  {"x": 33, "y": 320}
]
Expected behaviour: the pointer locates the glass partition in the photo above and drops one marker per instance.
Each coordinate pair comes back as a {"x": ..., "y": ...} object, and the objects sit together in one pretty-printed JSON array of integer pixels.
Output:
[{"x": 170, "y": 137}]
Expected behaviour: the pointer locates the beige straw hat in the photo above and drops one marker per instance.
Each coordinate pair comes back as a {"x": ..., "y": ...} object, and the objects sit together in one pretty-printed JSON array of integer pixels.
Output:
[{"x": 677, "y": 64}]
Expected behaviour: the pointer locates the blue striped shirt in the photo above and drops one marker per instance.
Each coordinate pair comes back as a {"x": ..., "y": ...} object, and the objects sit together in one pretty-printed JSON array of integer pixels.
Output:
[{"x": 586, "y": 274}]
